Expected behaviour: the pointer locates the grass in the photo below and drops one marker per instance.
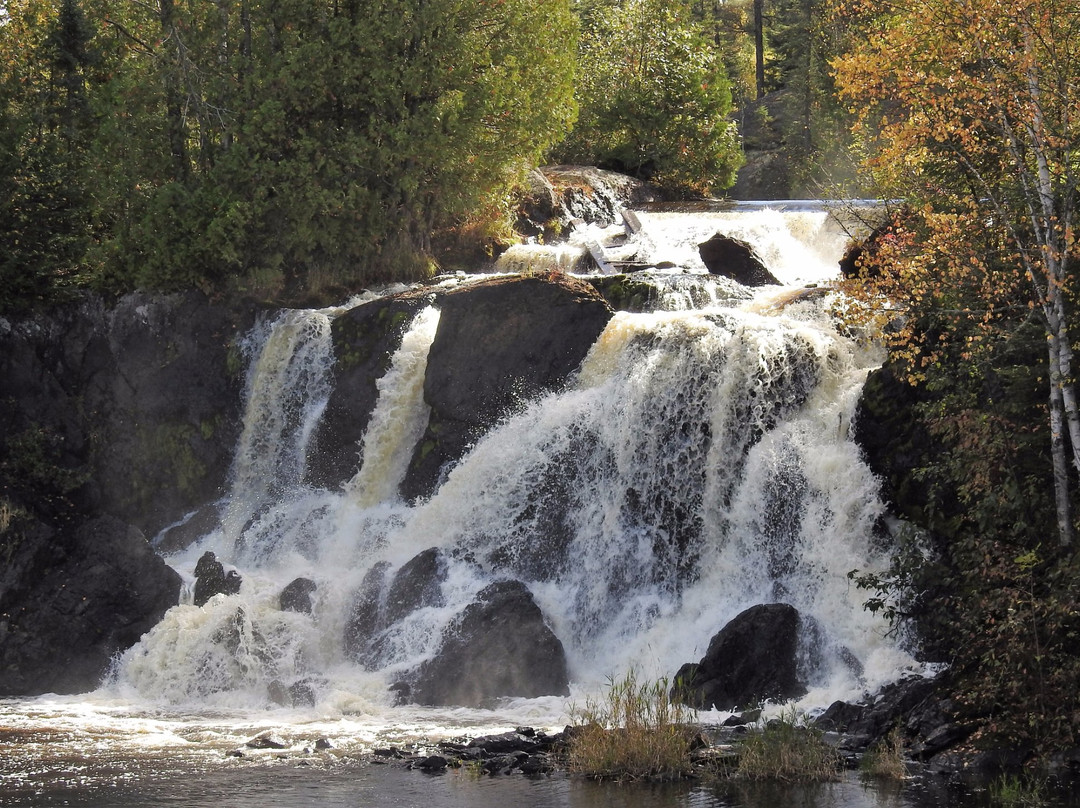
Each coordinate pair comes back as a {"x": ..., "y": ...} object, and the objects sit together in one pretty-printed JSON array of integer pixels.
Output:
[
  {"x": 635, "y": 733},
  {"x": 885, "y": 760},
  {"x": 788, "y": 750},
  {"x": 1018, "y": 791}
]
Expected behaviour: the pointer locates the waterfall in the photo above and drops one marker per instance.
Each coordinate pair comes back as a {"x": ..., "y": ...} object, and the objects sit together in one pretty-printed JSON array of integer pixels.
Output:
[{"x": 700, "y": 462}]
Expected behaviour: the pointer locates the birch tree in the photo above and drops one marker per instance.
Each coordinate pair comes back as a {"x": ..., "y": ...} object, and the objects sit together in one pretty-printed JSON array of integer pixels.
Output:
[{"x": 974, "y": 105}]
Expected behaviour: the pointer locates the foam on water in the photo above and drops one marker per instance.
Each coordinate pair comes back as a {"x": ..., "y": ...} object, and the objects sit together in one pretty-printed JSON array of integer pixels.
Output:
[{"x": 700, "y": 463}]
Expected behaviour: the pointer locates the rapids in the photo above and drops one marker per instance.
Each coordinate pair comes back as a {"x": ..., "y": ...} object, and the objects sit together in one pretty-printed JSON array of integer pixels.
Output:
[{"x": 700, "y": 462}]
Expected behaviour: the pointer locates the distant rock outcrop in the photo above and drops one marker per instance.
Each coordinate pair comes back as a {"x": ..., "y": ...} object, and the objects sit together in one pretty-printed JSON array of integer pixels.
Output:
[{"x": 735, "y": 259}]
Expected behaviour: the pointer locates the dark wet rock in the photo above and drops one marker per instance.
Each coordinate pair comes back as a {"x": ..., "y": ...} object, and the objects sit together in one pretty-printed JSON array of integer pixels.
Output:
[
  {"x": 296, "y": 596},
  {"x": 753, "y": 658},
  {"x": 498, "y": 646},
  {"x": 212, "y": 579},
  {"x": 71, "y": 601},
  {"x": 507, "y": 742},
  {"x": 130, "y": 409},
  {"x": 364, "y": 340},
  {"x": 735, "y": 259},
  {"x": 302, "y": 694},
  {"x": 418, "y": 584},
  {"x": 179, "y": 537},
  {"x": 267, "y": 740},
  {"x": 431, "y": 763},
  {"x": 499, "y": 344},
  {"x": 363, "y": 622}
]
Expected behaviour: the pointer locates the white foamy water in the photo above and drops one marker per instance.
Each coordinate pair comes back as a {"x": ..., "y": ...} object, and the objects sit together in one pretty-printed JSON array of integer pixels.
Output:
[{"x": 701, "y": 462}]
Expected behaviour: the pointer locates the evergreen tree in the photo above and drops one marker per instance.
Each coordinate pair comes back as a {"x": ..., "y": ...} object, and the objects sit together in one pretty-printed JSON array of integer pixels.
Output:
[{"x": 654, "y": 97}]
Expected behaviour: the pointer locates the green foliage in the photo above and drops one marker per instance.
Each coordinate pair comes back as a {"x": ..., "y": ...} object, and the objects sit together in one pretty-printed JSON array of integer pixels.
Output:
[
  {"x": 271, "y": 148},
  {"x": 637, "y": 733},
  {"x": 653, "y": 96},
  {"x": 1018, "y": 791},
  {"x": 789, "y": 750}
]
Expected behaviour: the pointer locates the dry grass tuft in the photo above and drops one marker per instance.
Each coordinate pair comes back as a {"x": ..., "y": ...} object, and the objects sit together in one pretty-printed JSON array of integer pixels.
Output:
[
  {"x": 637, "y": 733},
  {"x": 789, "y": 750}
]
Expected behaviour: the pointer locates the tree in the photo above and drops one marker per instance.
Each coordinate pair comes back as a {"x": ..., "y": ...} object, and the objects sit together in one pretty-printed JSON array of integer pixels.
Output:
[
  {"x": 653, "y": 96},
  {"x": 45, "y": 128},
  {"x": 969, "y": 107}
]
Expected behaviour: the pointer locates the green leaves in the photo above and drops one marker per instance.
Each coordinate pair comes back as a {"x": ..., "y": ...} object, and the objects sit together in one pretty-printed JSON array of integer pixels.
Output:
[{"x": 654, "y": 98}]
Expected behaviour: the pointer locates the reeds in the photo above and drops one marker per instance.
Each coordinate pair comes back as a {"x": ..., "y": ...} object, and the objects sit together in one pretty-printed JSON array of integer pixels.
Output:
[
  {"x": 636, "y": 733},
  {"x": 789, "y": 750}
]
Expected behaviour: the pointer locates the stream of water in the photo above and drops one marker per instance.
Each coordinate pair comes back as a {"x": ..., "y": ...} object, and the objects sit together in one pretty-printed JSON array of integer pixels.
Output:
[{"x": 701, "y": 462}]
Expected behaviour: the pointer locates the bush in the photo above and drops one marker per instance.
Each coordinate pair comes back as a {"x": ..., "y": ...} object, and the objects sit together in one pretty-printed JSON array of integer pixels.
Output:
[
  {"x": 637, "y": 733},
  {"x": 654, "y": 98}
]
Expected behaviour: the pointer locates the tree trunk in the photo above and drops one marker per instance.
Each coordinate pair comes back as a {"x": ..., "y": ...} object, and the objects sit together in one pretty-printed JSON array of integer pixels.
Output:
[
  {"x": 759, "y": 46},
  {"x": 1057, "y": 448}
]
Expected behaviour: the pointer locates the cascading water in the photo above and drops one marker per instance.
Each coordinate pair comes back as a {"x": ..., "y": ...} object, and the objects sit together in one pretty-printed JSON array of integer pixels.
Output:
[{"x": 700, "y": 463}]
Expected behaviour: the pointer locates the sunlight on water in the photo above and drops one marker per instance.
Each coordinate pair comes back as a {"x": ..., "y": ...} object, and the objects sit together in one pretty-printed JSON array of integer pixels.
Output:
[{"x": 701, "y": 462}]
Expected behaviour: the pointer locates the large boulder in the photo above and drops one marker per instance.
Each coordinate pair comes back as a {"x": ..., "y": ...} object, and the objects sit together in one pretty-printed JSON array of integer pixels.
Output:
[
  {"x": 499, "y": 343},
  {"x": 498, "y": 646},
  {"x": 296, "y": 596},
  {"x": 753, "y": 658},
  {"x": 735, "y": 259},
  {"x": 70, "y": 602},
  {"x": 381, "y": 602},
  {"x": 364, "y": 619}
]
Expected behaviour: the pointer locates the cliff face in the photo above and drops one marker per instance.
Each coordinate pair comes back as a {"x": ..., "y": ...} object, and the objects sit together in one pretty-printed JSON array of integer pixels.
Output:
[
  {"x": 116, "y": 421},
  {"x": 131, "y": 410}
]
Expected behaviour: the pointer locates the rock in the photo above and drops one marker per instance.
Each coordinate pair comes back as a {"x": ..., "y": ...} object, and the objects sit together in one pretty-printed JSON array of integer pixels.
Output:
[
  {"x": 363, "y": 620},
  {"x": 752, "y": 658},
  {"x": 499, "y": 344},
  {"x": 267, "y": 740},
  {"x": 302, "y": 694},
  {"x": 418, "y": 584},
  {"x": 587, "y": 193},
  {"x": 70, "y": 602},
  {"x": 498, "y": 646},
  {"x": 131, "y": 409},
  {"x": 212, "y": 579},
  {"x": 296, "y": 597},
  {"x": 431, "y": 763},
  {"x": 507, "y": 742},
  {"x": 179, "y": 537},
  {"x": 735, "y": 259},
  {"x": 364, "y": 340}
]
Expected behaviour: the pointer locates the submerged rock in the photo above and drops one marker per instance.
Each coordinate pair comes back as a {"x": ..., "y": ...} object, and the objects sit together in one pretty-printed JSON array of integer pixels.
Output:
[{"x": 498, "y": 646}]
